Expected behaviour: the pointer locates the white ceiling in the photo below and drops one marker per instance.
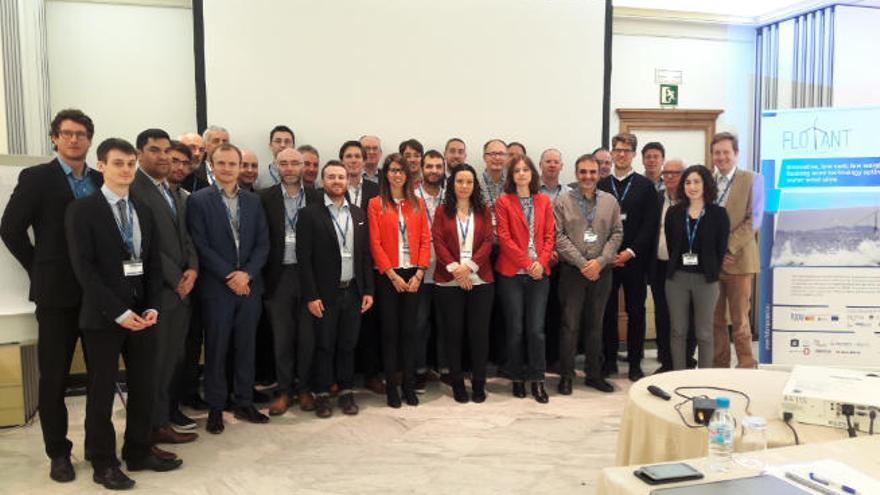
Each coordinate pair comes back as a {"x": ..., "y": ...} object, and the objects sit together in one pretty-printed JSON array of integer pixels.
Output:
[{"x": 757, "y": 11}]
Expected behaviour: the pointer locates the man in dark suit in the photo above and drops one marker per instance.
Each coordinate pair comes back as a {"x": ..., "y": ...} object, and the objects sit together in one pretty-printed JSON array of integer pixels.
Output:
[
  {"x": 638, "y": 211},
  {"x": 293, "y": 344},
  {"x": 114, "y": 251},
  {"x": 336, "y": 281},
  {"x": 359, "y": 193},
  {"x": 229, "y": 230},
  {"x": 179, "y": 272},
  {"x": 39, "y": 201}
]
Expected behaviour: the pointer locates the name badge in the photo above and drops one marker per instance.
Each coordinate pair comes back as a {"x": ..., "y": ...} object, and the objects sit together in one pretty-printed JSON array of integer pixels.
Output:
[
  {"x": 133, "y": 268},
  {"x": 290, "y": 238},
  {"x": 690, "y": 259},
  {"x": 494, "y": 221},
  {"x": 405, "y": 249},
  {"x": 346, "y": 254},
  {"x": 623, "y": 217},
  {"x": 466, "y": 255},
  {"x": 590, "y": 236}
]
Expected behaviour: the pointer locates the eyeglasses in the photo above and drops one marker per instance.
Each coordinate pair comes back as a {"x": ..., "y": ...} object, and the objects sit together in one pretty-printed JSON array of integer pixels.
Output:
[
  {"x": 670, "y": 173},
  {"x": 73, "y": 134},
  {"x": 622, "y": 150},
  {"x": 496, "y": 154},
  {"x": 371, "y": 149},
  {"x": 285, "y": 142},
  {"x": 411, "y": 156}
]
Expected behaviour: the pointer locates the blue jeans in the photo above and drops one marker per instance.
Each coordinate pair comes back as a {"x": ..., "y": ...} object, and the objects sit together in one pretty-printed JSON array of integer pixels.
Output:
[{"x": 524, "y": 302}]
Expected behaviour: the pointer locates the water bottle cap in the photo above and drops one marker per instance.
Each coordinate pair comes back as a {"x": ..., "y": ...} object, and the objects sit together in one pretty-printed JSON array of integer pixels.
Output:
[{"x": 722, "y": 402}]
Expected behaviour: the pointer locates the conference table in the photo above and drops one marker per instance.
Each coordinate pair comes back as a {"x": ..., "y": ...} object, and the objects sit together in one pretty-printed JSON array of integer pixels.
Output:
[
  {"x": 861, "y": 453},
  {"x": 652, "y": 431}
]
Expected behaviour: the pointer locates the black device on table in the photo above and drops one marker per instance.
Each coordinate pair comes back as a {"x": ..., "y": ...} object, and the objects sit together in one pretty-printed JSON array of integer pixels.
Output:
[{"x": 657, "y": 474}]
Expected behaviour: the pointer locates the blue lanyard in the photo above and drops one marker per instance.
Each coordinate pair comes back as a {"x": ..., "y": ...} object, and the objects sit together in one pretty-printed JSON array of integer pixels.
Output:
[
  {"x": 692, "y": 234},
  {"x": 127, "y": 231},
  {"x": 583, "y": 203},
  {"x": 620, "y": 199},
  {"x": 291, "y": 220},
  {"x": 274, "y": 174},
  {"x": 401, "y": 224},
  {"x": 210, "y": 174},
  {"x": 236, "y": 222},
  {"x": 427, "y": 209},
  {"x": 464, "y": 231},
  {"x": 343, "y": 232}
]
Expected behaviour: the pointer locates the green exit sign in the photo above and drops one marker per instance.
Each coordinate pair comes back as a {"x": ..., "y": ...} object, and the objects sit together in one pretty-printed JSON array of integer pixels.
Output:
[{"x": 669, "y": 95}]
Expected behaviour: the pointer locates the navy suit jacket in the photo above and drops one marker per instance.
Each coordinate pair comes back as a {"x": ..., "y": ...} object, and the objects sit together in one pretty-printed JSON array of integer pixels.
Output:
[{"x": 209, "y": 228}]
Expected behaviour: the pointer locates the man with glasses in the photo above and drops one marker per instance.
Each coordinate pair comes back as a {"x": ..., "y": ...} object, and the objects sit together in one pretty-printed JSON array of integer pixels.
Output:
[
  {"x": 280, "y": 137},
  {"x": 373, "y": 149},
  {"x": 492, "y": 184},
  {"x": 638, "y": 211},
  {"x": 39, "y": 201},
  {"x": 180, "y": 156}
]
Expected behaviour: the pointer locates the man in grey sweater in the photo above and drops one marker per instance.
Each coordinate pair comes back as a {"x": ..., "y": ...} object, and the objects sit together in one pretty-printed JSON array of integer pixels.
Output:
[{"x": 588, "y": 235}]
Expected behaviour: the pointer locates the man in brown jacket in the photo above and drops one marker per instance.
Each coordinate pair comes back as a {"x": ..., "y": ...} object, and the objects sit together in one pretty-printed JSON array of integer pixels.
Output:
[{"x": 739, "y": 194}]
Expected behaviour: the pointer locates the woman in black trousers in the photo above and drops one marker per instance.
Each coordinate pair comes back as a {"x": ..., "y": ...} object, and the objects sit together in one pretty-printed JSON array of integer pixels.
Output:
[
  {"x": 696, "y": 234},
  {"x": 463, "y": 277}
]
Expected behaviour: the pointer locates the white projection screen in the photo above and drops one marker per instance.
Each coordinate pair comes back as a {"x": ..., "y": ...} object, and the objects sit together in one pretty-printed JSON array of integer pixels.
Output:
[{"x": 523, "y": 70}]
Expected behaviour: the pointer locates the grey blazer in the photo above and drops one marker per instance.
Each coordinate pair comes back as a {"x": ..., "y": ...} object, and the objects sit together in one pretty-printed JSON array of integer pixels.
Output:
[{"x": 176, "y": 249}]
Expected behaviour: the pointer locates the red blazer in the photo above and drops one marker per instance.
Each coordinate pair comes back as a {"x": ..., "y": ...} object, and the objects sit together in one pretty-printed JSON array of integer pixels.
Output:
[
  {"x": 513, "y": 234},
  {"x": 448, "y": 249},
  {"x": 384, "y": 231}
]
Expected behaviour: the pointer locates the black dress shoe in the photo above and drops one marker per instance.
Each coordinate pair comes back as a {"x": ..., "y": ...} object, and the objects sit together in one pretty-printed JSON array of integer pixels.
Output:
[
  {"x": 663, "y": 369},
  {"x": 409, "y": 396},
  {"x": 519, "y": 390},
  {"x": 251, "y": 415},
  {"x": 392, "y": 396},
  {"x": 215, "y": 422},
  {"x": 539, "y": 393},
  {"x": 196, "y": 402},
  {"x": 113, "y": 479},
  {"x": 636, "y": 374},
  {"x": 478, "y": 394},
  {"x": 182, "y": 421},
  {"x": 608, "y": 370},
  {"x": 564, "y": 385},
  {"x": 62, "y": 470},
  {"x": 347, "y": 404},
  {"x": 459, "y": 392},
  {"x": 153, "y": 463},
  {"x": 322, "y": 406},
  {"x": 599, "y": 384}
]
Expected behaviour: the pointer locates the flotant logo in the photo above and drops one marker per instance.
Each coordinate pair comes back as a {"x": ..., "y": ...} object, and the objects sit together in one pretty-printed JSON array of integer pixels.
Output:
[{"x": 815, "y": 139}]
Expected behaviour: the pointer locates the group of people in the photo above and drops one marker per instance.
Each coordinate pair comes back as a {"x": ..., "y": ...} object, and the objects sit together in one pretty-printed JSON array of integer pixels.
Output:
[{"x": 392, "y": 262}]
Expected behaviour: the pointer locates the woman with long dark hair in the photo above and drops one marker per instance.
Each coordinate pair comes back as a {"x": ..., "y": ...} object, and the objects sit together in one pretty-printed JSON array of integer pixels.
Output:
[
  {"x": 696, "y": 236},
  {"x": 463, "y": 276},
  {"x": 400, "y": 241},
  {"x": 526, "y": 239}
]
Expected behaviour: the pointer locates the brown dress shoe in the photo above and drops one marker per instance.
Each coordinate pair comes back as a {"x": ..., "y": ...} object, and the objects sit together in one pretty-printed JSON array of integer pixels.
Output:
[
  {"x": 323, "y": 409},
  {"x": 162, "y": 454},
  {"x": 375, "y": 385},
  {"x": 168, "y": 435},
  {"x": 279, "y": 405},
  {"x": 306, "y": 401}
]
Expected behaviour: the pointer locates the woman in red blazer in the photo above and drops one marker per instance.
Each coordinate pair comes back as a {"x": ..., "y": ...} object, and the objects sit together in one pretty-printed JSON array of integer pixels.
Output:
[
  {"x": 526, "y": 239},
  {"x": 400, "y": 241},
  {"x": 463, "y": 277}
]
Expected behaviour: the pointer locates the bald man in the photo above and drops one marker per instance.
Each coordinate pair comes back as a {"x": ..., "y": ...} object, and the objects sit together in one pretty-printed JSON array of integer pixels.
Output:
[
  {"x": 192, "y": 182},
  {"x": 250, "y": 170},
  {"x": 281, "y": 296}
]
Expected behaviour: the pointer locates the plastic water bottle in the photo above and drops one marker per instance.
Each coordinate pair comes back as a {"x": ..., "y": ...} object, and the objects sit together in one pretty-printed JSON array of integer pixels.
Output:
[{"x": 721, "y": 428}]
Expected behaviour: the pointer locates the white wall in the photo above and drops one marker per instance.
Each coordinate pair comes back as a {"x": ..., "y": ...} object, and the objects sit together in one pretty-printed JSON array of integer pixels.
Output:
[
  {"x": 4, "y": 140},
  {"x": 525, "y": 70},
  {"x": 128, "y": 67},
  {"x": 856, "y": 71},
  {"x": 718, "y": 64}
]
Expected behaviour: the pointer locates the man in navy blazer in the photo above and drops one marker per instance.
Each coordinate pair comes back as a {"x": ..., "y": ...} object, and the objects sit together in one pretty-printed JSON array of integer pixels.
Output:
[{"x": 228, "y": 227}]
